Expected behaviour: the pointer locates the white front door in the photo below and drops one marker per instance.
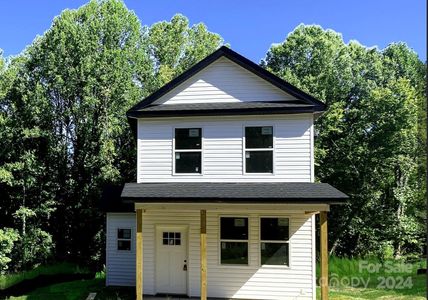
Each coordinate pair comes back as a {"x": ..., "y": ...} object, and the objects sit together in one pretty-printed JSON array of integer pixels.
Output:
[{"x": 171, "y": 260}]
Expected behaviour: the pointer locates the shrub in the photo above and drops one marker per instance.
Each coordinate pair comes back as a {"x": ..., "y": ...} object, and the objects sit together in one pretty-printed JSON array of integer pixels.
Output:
[
  {"x": 8, "y": 237},
  {"x": 34, "y": 248}
]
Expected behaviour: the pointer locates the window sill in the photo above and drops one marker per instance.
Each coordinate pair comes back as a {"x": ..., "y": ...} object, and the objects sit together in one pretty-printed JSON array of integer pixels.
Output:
[
  {"x": 275, "y": 267},
  {"x": 258, "y": 174},
  {"x": 187, "y": 174},
  {"x": 233, "y": 266}
]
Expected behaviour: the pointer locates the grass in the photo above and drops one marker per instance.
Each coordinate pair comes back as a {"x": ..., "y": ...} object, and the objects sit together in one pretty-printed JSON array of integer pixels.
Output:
[
  {"x": 372, "y": 279},
  {"x": 340, "y": 268},
  {"x": 9, "y": 280},
  {"x": 73, "y": 290}
]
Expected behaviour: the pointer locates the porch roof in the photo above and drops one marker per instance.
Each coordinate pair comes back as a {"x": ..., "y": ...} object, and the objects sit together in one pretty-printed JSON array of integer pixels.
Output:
[{"x": 242, "y": 192}]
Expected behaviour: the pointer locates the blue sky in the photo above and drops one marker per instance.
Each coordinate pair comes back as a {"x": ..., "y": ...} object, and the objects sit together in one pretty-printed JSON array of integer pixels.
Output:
[{"x": 249, "y": 26}]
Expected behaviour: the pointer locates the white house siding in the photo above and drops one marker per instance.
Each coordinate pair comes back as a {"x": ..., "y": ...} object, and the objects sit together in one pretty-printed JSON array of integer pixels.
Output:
[
  {"x": 120, "y": 264},
  {"x": 250, "y": 282},
  {"x": 224, "y": 81},
  {"x": 222, "y": 148}
]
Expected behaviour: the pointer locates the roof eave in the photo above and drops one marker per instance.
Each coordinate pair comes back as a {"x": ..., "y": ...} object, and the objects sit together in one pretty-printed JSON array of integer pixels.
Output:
[
  {"x": 223, "y": 112},
  {"x": 234, "y": 200}
]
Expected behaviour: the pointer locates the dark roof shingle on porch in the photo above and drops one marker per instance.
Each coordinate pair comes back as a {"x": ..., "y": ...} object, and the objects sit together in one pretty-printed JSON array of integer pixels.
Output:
[{"x": 220, "y": 192}]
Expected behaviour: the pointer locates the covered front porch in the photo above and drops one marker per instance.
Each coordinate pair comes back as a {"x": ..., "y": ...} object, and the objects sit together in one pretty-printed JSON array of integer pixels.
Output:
[{"x": 196, "y": 224}]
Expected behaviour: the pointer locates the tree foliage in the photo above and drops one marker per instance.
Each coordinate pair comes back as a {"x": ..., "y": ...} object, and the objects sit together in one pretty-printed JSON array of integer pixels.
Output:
[
  {"x": 64, "y": 134},
  {"x": 369, "y": 142},
  {"x": 175, "y": 47},
  {"x": 64, "y": 131}
]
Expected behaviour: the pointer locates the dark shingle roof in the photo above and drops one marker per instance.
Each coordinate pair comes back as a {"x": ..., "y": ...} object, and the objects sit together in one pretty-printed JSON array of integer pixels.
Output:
[
  {"x": 276, "y": 192},
  {"x": 231, "y": 108}
]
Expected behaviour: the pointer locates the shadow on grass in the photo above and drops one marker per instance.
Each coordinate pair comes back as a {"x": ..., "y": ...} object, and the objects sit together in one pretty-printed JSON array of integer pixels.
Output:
[
  {"x": 27, "y": 286},
  {"x": 114, "y": 293}
]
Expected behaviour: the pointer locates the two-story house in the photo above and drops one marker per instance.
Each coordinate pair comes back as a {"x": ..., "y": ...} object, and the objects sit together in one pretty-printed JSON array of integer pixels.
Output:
[{"x": 225, "y": 201}]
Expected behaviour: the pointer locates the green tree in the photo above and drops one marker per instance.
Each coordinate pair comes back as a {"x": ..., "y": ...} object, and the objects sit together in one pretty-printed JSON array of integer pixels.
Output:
[
  {"x": 175, "y": 47},
  {"x": 368, "y": 143},
  {"x": 89, "y": 68},
  {"x": 64, "y": 132},
  {"x": 8, "y": 237}
]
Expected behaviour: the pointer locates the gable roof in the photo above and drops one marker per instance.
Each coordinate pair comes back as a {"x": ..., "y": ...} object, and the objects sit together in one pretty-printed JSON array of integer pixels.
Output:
[{"x": 145, "y": 107}]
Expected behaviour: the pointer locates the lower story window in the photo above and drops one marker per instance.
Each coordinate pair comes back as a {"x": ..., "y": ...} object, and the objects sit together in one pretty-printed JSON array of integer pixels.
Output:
[
  {"x": 274, "y": 241},
  {"x": 234, "y": 253},
  {"x": 274, "y": 253},
  {"x": 233, "y": 241}
]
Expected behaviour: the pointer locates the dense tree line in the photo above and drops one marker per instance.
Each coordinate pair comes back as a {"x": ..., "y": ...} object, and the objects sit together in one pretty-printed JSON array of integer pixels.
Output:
[
  {"x": 64, "y": 134},
  {"x": 371, "y": 142}
]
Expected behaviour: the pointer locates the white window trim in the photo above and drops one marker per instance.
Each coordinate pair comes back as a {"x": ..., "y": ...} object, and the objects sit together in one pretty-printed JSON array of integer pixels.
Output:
[
  {"x": 244, "y": 149},
  {"x": 187, "y": 150},
  {"x": 123, "y": 239},
  {"x": 260, "y": 241},
  {"x": 220, "y": 240}
]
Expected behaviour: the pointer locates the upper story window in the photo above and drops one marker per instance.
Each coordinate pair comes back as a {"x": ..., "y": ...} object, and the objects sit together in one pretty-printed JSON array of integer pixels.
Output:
[
  {"x": 259, "y": 149},
  {"x": 188, "y": 150}
]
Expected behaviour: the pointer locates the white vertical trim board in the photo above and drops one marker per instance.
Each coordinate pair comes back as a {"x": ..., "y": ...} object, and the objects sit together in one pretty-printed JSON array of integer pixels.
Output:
[
  {"x": 314, "y": 263},
  {"x": 312, "y": 150}
]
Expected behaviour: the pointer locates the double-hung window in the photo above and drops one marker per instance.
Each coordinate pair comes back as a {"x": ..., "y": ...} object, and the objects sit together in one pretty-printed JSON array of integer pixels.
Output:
[
  {"x": 259, "y": 149},
  {"x": 234, "y": 240},
  {"x": 188, "y": 150},
  {"x": 124, "y": 239},
  {"x": 274, "y": 241}
]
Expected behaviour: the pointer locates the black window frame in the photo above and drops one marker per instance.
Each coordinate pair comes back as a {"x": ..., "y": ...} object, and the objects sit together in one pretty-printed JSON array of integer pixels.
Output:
[
  {"x": 187, "y": 151},
  {"x": 275, "y": 241},
  {"x": 171, "y": 238},
  {"x": 248, "y": 151},
  {"x": 234, "y": 240}
]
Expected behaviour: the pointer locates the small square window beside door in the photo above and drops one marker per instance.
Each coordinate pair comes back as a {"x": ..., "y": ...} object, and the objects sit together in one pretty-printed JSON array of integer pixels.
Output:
[
  {"x": 124, "y": 239},
  {"x": 188, "y": 150}
]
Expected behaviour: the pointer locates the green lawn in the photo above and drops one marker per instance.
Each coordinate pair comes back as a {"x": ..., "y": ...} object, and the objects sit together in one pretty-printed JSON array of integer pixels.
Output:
[
  {"x": 54, "y": 269},
  {"x": 73, "y": 290},
  {"x": 79, "y": 290},
  {"x": 372, "y": 279},
  {"x": 417, "y": 292},
  {"x": 413, "y": 288}
]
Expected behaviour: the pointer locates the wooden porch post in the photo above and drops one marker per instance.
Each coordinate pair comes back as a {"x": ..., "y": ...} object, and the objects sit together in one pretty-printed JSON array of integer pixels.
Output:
[
  {"x": 324, "y": 255},
  {"x": 203, "y": 250},
  {"x": 139, "y": 256}
]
